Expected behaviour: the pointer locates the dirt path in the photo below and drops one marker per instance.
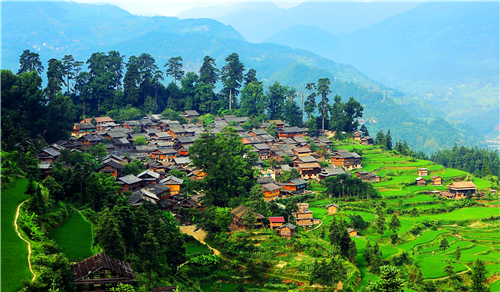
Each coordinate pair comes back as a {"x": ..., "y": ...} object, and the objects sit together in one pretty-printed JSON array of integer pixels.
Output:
[
  {"x": 200, "y": 235},
  {"x": 29, "y": 243},
  {"x": 320, "y": 223}
]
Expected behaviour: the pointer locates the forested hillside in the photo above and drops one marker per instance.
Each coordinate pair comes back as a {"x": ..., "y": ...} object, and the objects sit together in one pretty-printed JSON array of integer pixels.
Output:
[{"x": 162, "y": 38}]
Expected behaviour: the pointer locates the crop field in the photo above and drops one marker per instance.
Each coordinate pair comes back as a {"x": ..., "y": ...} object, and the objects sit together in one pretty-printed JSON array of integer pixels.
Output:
[
  {"x": 15, "y": 267},
  {"x": 74, "y": 237},
  {"x": 194, "y": 247},
  {"x": 318, "y": 213}
]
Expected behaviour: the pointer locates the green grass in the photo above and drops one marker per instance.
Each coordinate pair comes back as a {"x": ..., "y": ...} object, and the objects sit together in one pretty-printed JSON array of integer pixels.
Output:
[
  {"x": 195, "y": 247},
  {"x": 472, "y": 213},
  {"x": 318, "y": 213},
  {"x": 14, "y": 264},
  {"x": 433, "y": 266},
  {"x": 426, "y": 237},
  {"x": 74, "y": 237}
]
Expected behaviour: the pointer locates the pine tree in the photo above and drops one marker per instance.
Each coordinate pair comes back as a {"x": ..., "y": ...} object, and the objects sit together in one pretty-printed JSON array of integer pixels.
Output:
[{"x": 479, "y": 279}]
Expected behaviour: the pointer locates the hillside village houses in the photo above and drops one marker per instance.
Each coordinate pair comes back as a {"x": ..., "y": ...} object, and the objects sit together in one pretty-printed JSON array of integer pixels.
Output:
[{"x": 167, "y": 148}]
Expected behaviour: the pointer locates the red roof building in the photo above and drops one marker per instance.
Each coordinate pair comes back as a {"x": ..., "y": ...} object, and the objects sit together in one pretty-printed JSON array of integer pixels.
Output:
[{"x": 276, "y": 221}]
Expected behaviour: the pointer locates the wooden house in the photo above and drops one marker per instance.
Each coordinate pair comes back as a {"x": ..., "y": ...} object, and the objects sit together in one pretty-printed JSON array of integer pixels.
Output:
[
  {"x": 142, "y": 195},
  {"x": 357, "y": 135},
  {"x": 332, "y": 208},
  {"x": 352, "y": 232},
  {"x": 122, "y": 143},
  {"x": 160, "y": 190},
  {"x": 48, "y": 154},
  {"x": 462, "y": 189},
  {"x": 98, "y": 120},
  {"x": 149, "y": 177},
  {"x": 436, "y": 180},
  {"x": 162, "y": 155},
  {"x": 304, "y": 159},
  {"x": 309, "y": 170},
  {"x": 181, "y": 161},
  {"x": 80, "y": 129},
  {"x": 304, "y": 216},
  {"x": 279, "y": 123},
  {"x": 177, "y": 132},
  {"x": 111, "y": 167},
  {"x": 287, "y": 231},
  {"x": 295, "y": 186},
  {"x": 258, "y": 132},
  {"x": 239, "y": 216},
  {"x": 367, "y": 176},
  {"x": 130, "y": 125},
  {"x": 90, "y": 140},
  {"x": 331, "y": 171},
  {"x": 367, "y": 140},
  {"x": 46, "y": 169},
  {"x": 190, "y": 114},
  {"x": 101, "y": 272},
  {"x": 146, "y": 149},
  {"x": 423, "y": 172},
  {"x": 302, "y": 151},
  {"x": 263, "y": 151},
  {"x": 271, "y": 191},
  {"x": 276, "y": 221},
  {"x": 173, "y": 183},
  {"x": 291, "y": 132},
  {"x": 346, "y": 159},
  {"x": 421, "y": 181},
  {"x": 129, "y": 183}
]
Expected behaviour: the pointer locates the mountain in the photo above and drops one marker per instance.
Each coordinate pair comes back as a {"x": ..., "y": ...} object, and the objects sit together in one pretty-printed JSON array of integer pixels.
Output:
[
  {"x": 445, "y": 52},
  {"x": 259, "y": 21},
  {"x": 306, "y": 37},
  {"x": 60, "y": 28}
]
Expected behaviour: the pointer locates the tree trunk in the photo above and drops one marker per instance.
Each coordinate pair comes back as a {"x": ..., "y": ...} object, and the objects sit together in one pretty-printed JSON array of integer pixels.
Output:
[{"x": 230, "y": 98}]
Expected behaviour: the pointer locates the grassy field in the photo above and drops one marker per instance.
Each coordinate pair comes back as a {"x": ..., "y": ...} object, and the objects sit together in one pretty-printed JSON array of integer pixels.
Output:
[
  {"x": 195, "y": 247},
  {"x": 74, "y": 237},
  {"x": 15, "y": 267}
]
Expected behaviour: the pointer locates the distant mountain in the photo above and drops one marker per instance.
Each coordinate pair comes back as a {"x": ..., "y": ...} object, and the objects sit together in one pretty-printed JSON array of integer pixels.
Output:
[
  {"x": 259, "y": 21},
  {"x": 446, "y": 52},
  {"x": 306, "y": 37},
  {"x": 59, "y": 28}
]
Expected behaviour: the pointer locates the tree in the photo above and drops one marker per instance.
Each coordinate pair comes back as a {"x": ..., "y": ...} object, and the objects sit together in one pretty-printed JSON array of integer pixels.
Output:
[
  {"x": 108, "y": 236},
  {"x": 379, "y": 138},
  {"x": 375, "y": 259},
  {"x": 223, "y": 218},
  {"x": 55, "y": 77},
  {"x": 311, "y": 126},
  {"x": 353, "y": 251},
  {"x": 389, "y": 281},
  {"x": 150, "y": 253},
  {"x": 458, "y": 253},
  {"x": 175, "y": 249},
  {"x": 232, "y": 76},
  {"x": 381, "y": 225},
  {"x": 353, "y": 110},
  {"x": 323, "y": 91},
  {"x": 140, "y": 140},
  {"x": 449, "y": 271},
  {"x": 209, "y": 74},
  {"x": 36, "y": 203},
  {"x": 292, "y": 113},
  {"x": 228, "y": 165},
  {"x": 478, "y": 277},
  {"x": 394, "y": 239},
  {"x": 364, "y": 131},
  {"x": 60, "y": 114},
  {"x": 368, "y": 253},
  {"x": 251, "y": 76},
  {"x": 395, "y": 224},
  {"x": 29, "y": 62},
  {"x": 310, "y": 104},
  {"x": 414, "y": 213},
  {"x": 388, "y": 140},
  {"x": 253, "y": 100},
  {"x": 174, "y": 68},
  {"x": 443, "y": 245},
  {"x": 276, "y": 95}
]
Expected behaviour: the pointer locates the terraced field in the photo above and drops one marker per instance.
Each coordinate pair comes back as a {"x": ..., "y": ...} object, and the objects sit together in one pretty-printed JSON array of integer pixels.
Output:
[{"x": 74, "y": 237}]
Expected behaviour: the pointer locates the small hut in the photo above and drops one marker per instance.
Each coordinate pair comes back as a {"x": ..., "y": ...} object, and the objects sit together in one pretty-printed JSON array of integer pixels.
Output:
[
  {"x": 436, "y": 180},
  {"x": 287, "y": 230},
  {"x": 101, "y": 272},
  {"x": 421, "y": 181},
  {"x": 352, "y": 232},
  {"x": 423, "y": 172},
  {"x": 332, "y": 208},
  {"x": 276, "y": 221}
]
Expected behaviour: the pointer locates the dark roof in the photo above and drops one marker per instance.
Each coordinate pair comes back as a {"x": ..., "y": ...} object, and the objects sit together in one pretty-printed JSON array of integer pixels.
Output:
[
  {"x": 288, "y": 225},
  {"x": 84, "y": 126},
  {"x": 150, "y": 173},
  {"x": 172, "y": 180},
  {"x": 98, "y": 262},
  {"x": 261, "y": 146},
  {"x": 270, "y": 187},
  {"x": 297, "y": 181},
  {"x": 190, "y": 113},
  {"x": 333, "y": 205},
  {"x": 241, "y": 210},
  {"x": 129, "y": 179},
  {"x": 111, "y": 163},
  {"x": 293, "y": 130}
]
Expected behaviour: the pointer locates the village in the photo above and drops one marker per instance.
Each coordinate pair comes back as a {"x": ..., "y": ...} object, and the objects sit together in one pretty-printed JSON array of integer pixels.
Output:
[{"x": 167, "y": 146}]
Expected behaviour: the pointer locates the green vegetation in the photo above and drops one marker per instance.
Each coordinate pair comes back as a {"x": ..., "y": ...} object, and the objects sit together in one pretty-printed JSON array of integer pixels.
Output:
[
  {"x": 14, "y": 250},
  {"x": 74, "y": 237}
]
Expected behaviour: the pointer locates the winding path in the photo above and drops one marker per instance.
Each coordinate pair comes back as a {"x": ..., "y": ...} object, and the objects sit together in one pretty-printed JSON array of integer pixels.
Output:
[
  {"x": 200, "y": 235},
  {"x": 29, "y": 243},
  {"x": 319, "y": 225}
]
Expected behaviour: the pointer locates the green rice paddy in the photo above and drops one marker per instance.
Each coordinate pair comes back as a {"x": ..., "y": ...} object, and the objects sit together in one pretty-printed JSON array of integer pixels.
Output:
[
  {"x": 74, "y": 237},
  {"x": 14, "y": 264}
]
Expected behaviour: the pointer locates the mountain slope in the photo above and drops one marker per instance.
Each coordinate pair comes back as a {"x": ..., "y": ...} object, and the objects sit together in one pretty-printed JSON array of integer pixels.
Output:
[{"x": 193, "y": 39}]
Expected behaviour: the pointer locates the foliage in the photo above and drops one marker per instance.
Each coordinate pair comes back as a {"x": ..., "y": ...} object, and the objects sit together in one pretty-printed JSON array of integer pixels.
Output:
[
  {"x": 349, "y": 186},
  {"x": 389, "y": 281},
  {"x": 228, "y": 165}
]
